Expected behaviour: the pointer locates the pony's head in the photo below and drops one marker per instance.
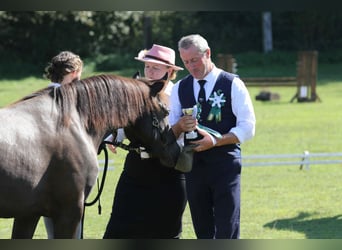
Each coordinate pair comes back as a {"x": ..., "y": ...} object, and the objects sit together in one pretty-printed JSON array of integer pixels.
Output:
[
  {"x": 152, "y": 130},
  {"x": 107, "y": 102}
]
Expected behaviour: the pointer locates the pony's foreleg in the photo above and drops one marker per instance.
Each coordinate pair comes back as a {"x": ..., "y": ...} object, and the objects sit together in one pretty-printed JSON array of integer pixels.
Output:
[
  {"x": 49, "y": 225},
  {"x": 68, "y": 226},
  {"x": 24, "y": 227},
  {"x": 67, "y": 230}
]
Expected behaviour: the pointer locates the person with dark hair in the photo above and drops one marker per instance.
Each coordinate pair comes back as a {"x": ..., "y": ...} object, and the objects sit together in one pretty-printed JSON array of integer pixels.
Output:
[
  {"x": 225, "y": 117},
  {"x": 63, "y": 68}
]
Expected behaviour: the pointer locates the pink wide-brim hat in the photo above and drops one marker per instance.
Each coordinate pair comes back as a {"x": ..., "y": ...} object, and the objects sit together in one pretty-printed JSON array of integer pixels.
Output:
[{"x": 159, "y": 54}]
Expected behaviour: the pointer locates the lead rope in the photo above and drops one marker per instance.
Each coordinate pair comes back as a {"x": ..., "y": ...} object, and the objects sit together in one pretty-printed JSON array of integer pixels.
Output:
[
  {"x": 99, "y": 187},
  {"x": 105, "y": 169}
]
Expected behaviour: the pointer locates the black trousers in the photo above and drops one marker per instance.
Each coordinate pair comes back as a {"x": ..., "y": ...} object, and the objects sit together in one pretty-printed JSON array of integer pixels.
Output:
[
  {"x": 213, "y": 191},
  {"x": 150, "y": 209}
]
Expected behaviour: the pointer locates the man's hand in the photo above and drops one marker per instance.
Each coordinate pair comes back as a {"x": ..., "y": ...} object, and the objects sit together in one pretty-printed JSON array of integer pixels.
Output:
[
  {"x": 186, "y": 123},
  {"x": 207, "y": 142}
]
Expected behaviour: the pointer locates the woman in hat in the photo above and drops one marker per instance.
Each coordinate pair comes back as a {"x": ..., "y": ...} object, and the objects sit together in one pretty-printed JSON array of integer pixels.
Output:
[{"x": 149, "y": 198}]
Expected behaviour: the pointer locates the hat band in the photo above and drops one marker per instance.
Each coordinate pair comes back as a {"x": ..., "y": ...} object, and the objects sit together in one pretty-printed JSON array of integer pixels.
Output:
[{"x": 159, "y": 59}]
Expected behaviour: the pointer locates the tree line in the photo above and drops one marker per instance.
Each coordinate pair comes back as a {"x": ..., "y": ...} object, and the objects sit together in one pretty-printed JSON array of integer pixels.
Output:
[{"x": 35, "y": 36}]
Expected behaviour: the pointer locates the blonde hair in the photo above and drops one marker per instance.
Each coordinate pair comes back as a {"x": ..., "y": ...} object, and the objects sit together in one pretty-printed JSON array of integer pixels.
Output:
[
  {"x": 173, "y": 75},
  {"x": 61, "y": 65}
]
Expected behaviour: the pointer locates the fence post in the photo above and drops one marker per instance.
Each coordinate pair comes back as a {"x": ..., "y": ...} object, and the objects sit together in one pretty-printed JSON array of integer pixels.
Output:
[
  {"x": 227, "y": 62},
  {"x": 305, "y": 161},
  {"x": 306, "y": 76}
]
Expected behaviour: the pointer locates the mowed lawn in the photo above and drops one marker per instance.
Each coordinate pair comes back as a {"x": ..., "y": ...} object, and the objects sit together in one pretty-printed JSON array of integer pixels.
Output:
[{"x": 278, "y": 202}]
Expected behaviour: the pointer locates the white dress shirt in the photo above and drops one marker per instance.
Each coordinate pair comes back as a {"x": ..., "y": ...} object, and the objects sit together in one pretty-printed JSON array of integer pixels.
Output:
[
  {"x": 242, "y": 106},
  {"x": 54, "y": 84}
]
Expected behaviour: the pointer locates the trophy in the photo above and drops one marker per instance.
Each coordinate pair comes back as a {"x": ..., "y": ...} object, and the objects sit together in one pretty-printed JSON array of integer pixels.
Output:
[{"x": 192, "y": 135}]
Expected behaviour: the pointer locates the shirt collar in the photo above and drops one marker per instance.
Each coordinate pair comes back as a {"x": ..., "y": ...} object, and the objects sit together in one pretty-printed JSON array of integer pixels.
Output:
[
  {"x": 54, "y": 84},
  {"x": 212, "y": 76}
]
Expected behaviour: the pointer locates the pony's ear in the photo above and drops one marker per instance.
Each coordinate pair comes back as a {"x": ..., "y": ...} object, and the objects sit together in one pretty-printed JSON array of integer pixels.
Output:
[
  {"x": 156, "y": 87},
  {"x": 136, "y": 75},
  {"x": 165, "y": 76}
]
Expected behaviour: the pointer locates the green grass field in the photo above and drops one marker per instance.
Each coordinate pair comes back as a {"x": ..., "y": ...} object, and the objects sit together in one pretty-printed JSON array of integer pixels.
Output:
[{"x": 278, "y": 202}]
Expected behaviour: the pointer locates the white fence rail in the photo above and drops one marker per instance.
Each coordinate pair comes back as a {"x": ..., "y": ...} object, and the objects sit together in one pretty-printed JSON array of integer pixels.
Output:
[
  {"x": 302, "y": 160},
  {"x": 110, "y": 164}
]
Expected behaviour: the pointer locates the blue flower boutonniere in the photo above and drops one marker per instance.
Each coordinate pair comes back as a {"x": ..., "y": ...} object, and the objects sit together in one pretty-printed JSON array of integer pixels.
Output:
[{"x": 216, "y": 100}]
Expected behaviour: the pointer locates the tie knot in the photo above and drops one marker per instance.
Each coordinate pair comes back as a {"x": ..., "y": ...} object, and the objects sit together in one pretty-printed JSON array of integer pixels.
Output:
[{"x": 202, "y": 82}]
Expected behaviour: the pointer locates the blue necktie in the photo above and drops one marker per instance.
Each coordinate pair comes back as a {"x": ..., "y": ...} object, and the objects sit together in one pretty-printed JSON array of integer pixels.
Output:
[{"x": 201, "y": 95}]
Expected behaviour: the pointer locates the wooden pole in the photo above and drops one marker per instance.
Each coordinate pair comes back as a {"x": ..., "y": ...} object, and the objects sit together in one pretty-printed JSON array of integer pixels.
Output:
[
  {"x": 147, "y": 32},
  {"x": 226, "y": 62},
  {"x": 306, "y": 76}
]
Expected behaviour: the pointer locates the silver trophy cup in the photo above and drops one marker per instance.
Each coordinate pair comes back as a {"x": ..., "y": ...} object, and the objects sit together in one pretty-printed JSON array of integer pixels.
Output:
[{"x": 193, "y": 112}]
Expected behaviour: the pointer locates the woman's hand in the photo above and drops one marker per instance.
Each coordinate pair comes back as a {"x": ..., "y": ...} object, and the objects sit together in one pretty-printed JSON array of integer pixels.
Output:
[{"x": 112, "y": 148}]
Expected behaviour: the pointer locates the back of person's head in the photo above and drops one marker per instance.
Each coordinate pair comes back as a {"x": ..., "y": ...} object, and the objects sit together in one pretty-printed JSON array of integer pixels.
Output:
[
  {"x": 195, "y": 40},
  {"x": 62, "y": 64}
]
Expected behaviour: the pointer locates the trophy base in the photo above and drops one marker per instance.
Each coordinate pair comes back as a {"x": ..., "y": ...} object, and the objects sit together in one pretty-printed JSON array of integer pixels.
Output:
[{"x": 191, "y": 136}]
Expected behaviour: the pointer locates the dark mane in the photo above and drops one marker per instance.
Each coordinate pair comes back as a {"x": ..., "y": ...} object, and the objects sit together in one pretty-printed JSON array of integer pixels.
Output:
[{"x": 104, "y": 99}]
